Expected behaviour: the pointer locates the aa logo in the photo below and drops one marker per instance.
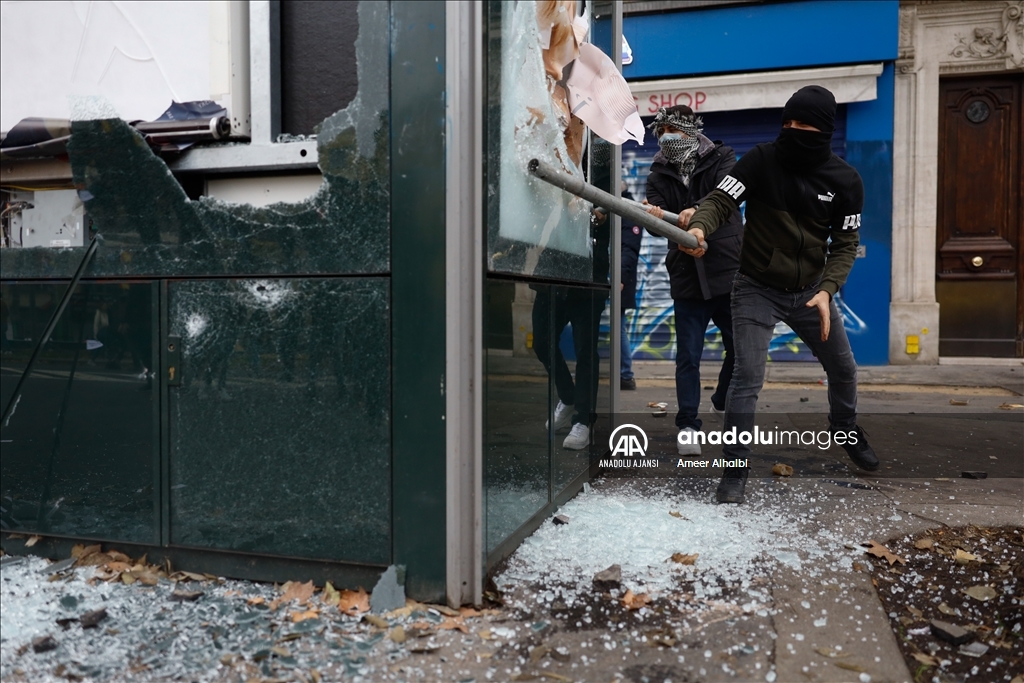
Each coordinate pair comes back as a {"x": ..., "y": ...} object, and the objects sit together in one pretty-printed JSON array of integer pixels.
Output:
[{"x": 628, "y": 442}]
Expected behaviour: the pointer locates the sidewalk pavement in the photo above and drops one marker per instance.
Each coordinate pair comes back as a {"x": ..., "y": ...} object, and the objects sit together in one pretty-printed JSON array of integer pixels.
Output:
[{"x": 781, "y": 589}]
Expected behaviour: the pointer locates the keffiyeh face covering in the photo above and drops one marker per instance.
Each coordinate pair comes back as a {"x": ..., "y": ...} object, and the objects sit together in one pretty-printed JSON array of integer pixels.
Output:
[{"x": 679, "y": 149}]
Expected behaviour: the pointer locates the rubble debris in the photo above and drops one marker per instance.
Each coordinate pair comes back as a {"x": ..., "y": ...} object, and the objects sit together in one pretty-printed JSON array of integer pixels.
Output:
[
  {"x": 951, "y": 633},
  {"x": 389, "y": 593},
  {"x": 609, "y": 578}
]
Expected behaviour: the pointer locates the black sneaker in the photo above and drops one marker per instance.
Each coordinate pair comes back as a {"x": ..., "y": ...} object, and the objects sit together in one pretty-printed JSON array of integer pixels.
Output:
[
  {"x": 627, "y": 384},
  {"x": 734, "y": 481},
  {"x": 861, "y": 453}
]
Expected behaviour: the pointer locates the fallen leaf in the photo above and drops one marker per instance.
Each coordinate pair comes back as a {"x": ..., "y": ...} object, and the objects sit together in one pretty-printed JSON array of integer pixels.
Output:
[
  {"x": 963, "y": 557},
  {"x": 453, "y": 624},
  {"x": 850, "y": 667},
  {"x": 537, "y": 653},
  {"x": 957, "y": 402},
  {"x": 118, "y": 556},
  {"x": 127, "y": 578},
  {"x": 315, "y": 675},
  {"x": 354, "y": 602},
  {"x": 374, "y": 620},
  {"x": 468, "y": 612},
  {"x": 676, "y": 514},
  {"x": 300, "y": 592},
  {"x": 946, "y": 609},
  {"x": 829, "y": 652},
  {"x": 879, "y": 550},
  {"x": 485, "y": 634},
  {"x": 924, "y": 543},
  {"x": 927, "y": 660},
  {"x": 330, "y": 594},
  {"x": 118, "y": 566},
  {"x": 397, "y": 635},
  {"x": 307, "y": 614},
  {"x": 1010, "y": 406},
  {"x": 258, "y": 600},
  {"x": 632, "y": 600},
  {"x": 981, "y": 593},
  {"x": 32, "y": 540},
  {"x": 685, "y": 559},
  {"x": 80, "y": 551},
  {"x": 444, "y": 609},
  {"x": 782, "y": 470},
  {"x": 93, "y": 560},
  {"x": 916, "y": 612}
]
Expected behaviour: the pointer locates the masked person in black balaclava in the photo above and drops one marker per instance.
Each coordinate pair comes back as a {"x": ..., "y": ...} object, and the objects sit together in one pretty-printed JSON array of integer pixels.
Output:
[
  {"x": 683, "y": 173},
  {"x": 803, "y": 214}
]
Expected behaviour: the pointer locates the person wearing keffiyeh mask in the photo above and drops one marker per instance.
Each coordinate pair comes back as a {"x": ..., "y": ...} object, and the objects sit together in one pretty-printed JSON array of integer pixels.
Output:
[
  {"x": 686, "y": 170},
  {"x": 681, "y": 138}
]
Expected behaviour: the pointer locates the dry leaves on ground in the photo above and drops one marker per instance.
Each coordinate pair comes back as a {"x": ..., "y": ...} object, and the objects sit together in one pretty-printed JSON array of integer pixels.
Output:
[
  {"x": 354, "y": 602},
  {"x": 633, "y": 600},
  {"x": 963, "y": 557},
  {"x": 293, "y": 590},
  {"x": 878, "y": 550},
  {"x": 781, "y": 470},
  {"x": 683, "y": 558}
]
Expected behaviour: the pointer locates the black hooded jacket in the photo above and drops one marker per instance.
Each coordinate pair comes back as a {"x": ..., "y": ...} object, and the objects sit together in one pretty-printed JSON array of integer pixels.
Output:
[{"x": 711, "y": 275}]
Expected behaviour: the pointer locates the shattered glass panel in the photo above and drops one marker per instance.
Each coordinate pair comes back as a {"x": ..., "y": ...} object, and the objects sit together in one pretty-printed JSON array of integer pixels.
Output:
[
  {"x": 578, "y": 311},
  {"x": 280, "y": 431},
  {"x": 516, "y": 440},
  {"x": 533, "y": 228},
  {"x": 80, "y": 450},
  {"x": 150, "y": 227}
]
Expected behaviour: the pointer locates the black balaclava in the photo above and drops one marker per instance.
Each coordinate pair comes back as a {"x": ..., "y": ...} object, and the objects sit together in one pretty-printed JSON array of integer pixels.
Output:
[{"x": 805, "y": 150}]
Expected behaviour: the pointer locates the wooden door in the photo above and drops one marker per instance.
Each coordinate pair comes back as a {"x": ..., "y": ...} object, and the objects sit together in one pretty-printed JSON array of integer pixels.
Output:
[{"x": 979, "y": 285}]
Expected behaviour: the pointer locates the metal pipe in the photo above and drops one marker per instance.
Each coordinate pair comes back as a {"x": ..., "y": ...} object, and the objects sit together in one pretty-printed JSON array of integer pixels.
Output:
[{"x": 617, "y": 205}]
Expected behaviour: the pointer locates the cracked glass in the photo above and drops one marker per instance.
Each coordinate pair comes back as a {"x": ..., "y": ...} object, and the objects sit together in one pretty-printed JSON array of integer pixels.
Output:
[
  {"x": 280, "y": 428},
  {"x": 80, "y": 449}
]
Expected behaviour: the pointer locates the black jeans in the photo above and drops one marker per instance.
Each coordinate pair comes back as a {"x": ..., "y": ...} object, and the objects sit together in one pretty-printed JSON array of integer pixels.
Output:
[{"x": 756, "y": 309}]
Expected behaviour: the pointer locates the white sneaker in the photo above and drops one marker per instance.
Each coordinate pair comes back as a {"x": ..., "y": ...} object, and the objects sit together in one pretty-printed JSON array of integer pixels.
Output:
[
  {"x": 579, "y": 437},
  {"x": 563, "y": 416},
  {"x": 692, "y": 448},
  {"x": 716, "y": 411}
]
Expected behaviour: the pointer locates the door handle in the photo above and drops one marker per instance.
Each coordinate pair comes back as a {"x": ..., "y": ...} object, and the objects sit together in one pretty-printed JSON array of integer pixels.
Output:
[
  {"x": 173, "y": 361},
  {"x": 977, "y": 262}
]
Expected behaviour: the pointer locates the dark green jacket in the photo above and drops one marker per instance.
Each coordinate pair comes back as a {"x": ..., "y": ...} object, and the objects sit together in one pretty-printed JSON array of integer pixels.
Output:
[{"x": 800, "y": 227}]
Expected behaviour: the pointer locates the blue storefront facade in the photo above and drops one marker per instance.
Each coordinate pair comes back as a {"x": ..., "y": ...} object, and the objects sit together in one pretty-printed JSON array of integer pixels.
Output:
[{"x": 735, "y": 65}]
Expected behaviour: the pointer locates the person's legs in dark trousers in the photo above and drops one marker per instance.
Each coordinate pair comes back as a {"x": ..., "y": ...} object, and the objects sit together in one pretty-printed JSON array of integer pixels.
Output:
[
  {"x": 692, "y": 316},
  {"x": 625, "y": 349},
  {"x": 835, "y": 356},
  {"x": 550, "y": 315},
  {"x": 755, "y": 312},
  {"x": 585, "y": 307},
  {"x": 721, "y": 315}
]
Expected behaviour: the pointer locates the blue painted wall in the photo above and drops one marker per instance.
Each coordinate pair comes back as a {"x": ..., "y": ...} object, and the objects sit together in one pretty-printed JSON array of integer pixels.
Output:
[
  {"x": 759, "y": 37},
  {"x": 869, "y": 150}
]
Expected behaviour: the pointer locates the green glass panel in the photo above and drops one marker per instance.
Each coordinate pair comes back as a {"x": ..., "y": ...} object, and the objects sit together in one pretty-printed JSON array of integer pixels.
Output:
[
  {"x": 578, "y": 311},
  {"x": 280, "y": 430},
  {"x": 516, "y": 407},
  {"x": 150, "y": 227},
  {"x": 80, "y": 450}
]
